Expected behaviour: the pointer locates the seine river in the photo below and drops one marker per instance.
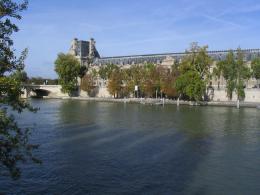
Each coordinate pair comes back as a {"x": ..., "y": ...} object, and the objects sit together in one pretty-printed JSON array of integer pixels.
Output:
[{"x": 116, "y": 148}]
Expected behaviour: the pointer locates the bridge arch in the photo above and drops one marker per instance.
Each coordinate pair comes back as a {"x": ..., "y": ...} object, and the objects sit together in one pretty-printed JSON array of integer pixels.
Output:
[{"x": 40, "y": 93}]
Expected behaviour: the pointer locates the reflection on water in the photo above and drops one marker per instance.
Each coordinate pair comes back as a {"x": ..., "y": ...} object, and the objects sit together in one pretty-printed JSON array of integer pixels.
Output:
[{"x": 114, "y": 148}]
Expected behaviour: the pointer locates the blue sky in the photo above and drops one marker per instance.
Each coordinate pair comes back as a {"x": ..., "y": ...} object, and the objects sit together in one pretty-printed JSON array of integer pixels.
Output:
[{"x": 125, "y": 27}]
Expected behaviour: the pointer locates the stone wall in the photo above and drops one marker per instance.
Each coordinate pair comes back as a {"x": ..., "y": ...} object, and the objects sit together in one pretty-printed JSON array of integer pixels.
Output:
[
  {"x": 252, "y": 95},
  {"x": 100, "y": 92},
  {"x": 54, "y": 91}
]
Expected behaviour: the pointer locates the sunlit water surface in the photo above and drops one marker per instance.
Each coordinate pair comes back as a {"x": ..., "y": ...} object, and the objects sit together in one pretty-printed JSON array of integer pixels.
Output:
[{"x": 117, "y": 148}]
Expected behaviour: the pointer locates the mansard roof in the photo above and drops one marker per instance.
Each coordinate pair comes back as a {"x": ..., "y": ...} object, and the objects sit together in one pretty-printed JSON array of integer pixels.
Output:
[{"x": 249, "y": 54}]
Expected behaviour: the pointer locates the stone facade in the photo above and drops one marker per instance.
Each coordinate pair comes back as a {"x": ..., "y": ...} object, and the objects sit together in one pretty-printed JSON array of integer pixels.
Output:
[
  {"x": 159, "y": 59},
  {"x": 88, "y": 55},
  {"x": 252, "y": 95},
  {"x": 85, "y": 51}
]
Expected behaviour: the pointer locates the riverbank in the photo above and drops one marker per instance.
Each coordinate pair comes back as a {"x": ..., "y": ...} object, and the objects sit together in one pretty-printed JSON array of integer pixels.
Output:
[{"x": 152, "y": 101}]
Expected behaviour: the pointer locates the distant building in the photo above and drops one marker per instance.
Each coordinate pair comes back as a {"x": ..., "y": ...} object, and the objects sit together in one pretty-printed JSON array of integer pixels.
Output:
[
  {"x": 85, "y": 51},
  {"x": 88, "y": 55}
]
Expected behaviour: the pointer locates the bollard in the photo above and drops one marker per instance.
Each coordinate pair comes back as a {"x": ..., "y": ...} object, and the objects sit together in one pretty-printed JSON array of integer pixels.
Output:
[{"x": 238, "y": 104}]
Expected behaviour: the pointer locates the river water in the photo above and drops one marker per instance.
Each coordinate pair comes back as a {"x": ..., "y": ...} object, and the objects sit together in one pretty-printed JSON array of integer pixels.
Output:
[{"x": 116, "y": 148}]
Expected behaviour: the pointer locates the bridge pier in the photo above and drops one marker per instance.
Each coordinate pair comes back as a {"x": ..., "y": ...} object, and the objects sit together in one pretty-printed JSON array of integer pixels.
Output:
[{"x": 24, "y": 94}]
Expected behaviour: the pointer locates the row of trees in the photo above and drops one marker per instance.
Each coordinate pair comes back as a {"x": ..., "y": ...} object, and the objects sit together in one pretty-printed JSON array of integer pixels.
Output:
[
  {"x": 235, "y": 71},
  {"x": 150, "y": 79},
  {"x": 188, "y": 79},
  {"x": 22, "y": 77}
]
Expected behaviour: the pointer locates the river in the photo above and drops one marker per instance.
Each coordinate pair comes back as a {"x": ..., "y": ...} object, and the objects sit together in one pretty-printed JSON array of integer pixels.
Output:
[{"x": 116, "y": 148}]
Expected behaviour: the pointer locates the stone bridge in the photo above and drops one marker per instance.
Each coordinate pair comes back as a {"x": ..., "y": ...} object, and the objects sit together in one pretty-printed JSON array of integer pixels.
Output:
[{"x": 42, "y": 91}]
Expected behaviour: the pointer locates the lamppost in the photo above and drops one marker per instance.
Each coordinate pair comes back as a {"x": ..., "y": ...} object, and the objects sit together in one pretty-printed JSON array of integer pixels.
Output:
[{"x": 136, "y": 90}]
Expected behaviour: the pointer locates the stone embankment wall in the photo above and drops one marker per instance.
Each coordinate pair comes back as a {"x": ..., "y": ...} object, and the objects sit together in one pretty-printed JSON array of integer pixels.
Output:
[
  {"x": 55, "y": 91},
  {"x": 252, "y": 95}
]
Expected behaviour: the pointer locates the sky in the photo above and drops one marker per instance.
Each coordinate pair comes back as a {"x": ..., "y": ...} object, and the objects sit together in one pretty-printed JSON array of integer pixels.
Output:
[{"x": 126, "y": 27}]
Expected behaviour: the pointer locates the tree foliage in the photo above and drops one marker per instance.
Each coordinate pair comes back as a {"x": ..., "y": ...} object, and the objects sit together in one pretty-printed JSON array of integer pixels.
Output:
[
  {"x": 235, "y": 72},
  {"x": 14, "y": 141},
  {"x": 68, "y": 70},
  {"x": 255, "y": 65},
  {"x": 106, "y": 71},
  {"x": 88, "y": 82},
  {"x": 188, "y": 78},
  {"x": 20, "y": 75},
  {"x": 194, "y": 73},
  {"x": 218, "y": 71},
  {"x": 115, "y": 83},
  {"x": 168, "y": 82},
  {"x": 133, "y": 76},
  {"x": 148, "y": 77},
  {"x": 150, "y": 82},
  {"x": 41, "y": 81}
]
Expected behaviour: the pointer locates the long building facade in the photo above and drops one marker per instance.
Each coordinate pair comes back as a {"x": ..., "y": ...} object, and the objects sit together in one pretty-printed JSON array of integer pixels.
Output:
[
  {"x": 160, "y": 58},
  {"x": 84, "y": 50},
  {"x": 88, "y": 55}
]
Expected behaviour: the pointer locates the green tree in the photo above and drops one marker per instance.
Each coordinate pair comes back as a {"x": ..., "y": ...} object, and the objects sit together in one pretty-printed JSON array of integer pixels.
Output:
[
  {"x": 106, "y": 71},
  {"x": 190, "y": 84},
  {"x": 41, "y": 81},
  {"x": 194, "y": 71},
  {"x": 128, "y": 83},
  {"x": 114, "y": 75},
  {"x": 150, "y": 80},
  {"x": 115, "y": 83},
  {"x": 36, "y": 80},
  {"x": 218, "y": 71},
  {"x": 14, "y": 141},
  {"x": 68, "y": 70},
  {"x": 198, "y": 60},
  {"x": 88, "y": 81},
  {"x": 235, "y": 72},
  {"x": 255, "y": 65},
  {"x": 168, "y": 82},
  {"x": 20, "y": 75},
  {"x": 135, "y": 77}
]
